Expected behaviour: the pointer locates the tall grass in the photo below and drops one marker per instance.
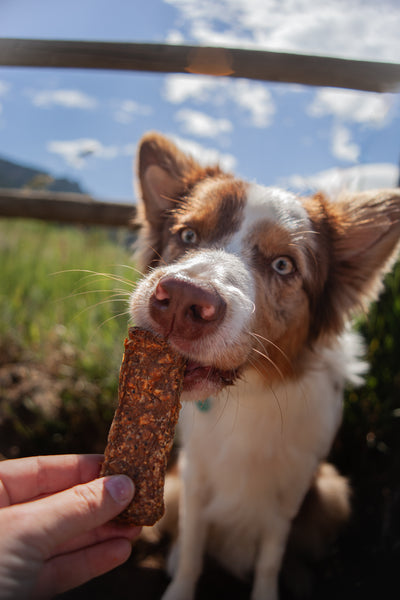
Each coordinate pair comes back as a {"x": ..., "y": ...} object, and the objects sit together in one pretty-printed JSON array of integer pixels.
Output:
[{"x": 53, "y": 289}]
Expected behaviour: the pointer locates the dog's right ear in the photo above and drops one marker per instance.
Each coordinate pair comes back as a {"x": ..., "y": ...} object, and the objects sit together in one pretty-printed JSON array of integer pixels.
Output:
[
  {"x": 165, "y": 178},
  {"x": 163, "y": 174}
]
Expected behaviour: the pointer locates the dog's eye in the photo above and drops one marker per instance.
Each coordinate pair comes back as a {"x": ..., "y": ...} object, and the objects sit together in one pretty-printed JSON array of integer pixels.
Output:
[
  {"x": 283, "y": 265},
  {"x": 188, "y": 236}
]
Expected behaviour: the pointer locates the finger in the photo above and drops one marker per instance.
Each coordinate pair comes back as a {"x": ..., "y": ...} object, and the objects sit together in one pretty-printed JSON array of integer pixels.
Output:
[
  {"x": 23, "y": 479},
  {"x": 101, "y": 534},
  {"x": 52, "y": 521},
  {"x": 68, "y": 571}
]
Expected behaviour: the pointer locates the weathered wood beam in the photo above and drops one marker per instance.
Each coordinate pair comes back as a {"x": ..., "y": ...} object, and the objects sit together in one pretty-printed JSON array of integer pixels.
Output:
[
  {"x": 234, "y": 62},
  {"x": 64, "y": 208}
]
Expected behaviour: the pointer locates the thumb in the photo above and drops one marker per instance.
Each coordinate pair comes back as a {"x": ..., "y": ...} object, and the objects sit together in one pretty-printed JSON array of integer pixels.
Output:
[{"x": 61, "y": 517}]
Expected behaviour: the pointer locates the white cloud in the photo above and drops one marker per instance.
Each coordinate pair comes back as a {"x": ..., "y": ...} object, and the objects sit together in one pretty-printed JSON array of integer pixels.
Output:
[
  {"x": 360, "y": 177},
  {"x": 75, "y": 152},
  {"x": 363, "y": 29},
  {"x": 4, "y": 87},
  {"x": 199, "y": 88},
  {"x": 343, "y": 148},
  {"x": 127, "y": 110},
  {"x": 347, "y": 105},
  {"x": 205, "y": 156},
  {"x": 253, "y": 98},
  {"x": 62, "y": 97},
  {"x": 202, "y": 125}
]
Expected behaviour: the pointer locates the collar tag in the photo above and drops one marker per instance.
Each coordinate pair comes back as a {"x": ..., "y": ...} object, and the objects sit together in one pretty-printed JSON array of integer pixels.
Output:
[{"x": 204, "y": 405}]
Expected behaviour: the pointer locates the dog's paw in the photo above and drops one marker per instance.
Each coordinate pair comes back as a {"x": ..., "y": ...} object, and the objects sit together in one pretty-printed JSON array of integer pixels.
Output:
[{"x": 179, "y": 590}]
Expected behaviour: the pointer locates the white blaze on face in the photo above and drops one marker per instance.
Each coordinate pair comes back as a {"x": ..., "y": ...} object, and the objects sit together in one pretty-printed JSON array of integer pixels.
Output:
[{"x": 268, "y": 204}]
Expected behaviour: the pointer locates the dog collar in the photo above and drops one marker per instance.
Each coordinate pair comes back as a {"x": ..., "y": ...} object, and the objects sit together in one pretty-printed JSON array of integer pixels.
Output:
[{"x": 204, "y": 405}]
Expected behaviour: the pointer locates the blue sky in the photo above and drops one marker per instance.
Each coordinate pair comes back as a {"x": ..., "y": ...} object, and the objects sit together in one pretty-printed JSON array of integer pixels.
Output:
[{"x": 85, "y": 124}]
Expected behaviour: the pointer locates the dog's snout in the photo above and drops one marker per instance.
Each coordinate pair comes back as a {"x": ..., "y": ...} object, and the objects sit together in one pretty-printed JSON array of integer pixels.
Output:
[{"x": 185, "y": 308}]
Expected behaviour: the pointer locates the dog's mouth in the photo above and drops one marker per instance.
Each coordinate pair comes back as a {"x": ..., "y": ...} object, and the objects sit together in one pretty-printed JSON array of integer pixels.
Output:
[{"x": 198, "y": 376}]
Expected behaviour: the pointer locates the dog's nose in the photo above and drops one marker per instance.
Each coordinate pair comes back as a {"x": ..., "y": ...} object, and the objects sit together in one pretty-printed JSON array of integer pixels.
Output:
[{"x": 185, "y": 308}]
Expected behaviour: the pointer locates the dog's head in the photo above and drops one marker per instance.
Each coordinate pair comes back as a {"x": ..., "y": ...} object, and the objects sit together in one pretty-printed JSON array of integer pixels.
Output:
[{"x": 240, "y": 275}]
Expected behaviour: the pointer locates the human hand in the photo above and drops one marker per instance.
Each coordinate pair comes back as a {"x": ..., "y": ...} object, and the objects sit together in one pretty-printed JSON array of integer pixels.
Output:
[{"x": 55, "y": 532}]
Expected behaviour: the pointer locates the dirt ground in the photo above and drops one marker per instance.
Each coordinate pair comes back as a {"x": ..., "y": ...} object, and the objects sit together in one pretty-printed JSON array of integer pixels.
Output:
[{"x": 364, "y": 563}]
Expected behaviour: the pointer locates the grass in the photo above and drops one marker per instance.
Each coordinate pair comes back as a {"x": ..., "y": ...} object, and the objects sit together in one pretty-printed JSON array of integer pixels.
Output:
[
  {"x": 52, "y": 287},
  {"x": 64, "y": 315}
]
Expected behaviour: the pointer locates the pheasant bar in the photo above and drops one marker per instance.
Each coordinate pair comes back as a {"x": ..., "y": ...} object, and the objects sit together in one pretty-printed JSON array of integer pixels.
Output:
[{"x": 142, "y": 431}]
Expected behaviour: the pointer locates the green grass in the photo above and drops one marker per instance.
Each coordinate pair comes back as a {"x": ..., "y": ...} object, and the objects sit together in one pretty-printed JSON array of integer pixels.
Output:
[
  {"x": 63, "y": 318},
  {"x": 64, "y": 285}
]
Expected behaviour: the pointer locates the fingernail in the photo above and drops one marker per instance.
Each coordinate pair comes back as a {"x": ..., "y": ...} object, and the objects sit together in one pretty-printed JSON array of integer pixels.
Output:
[{"x": 120, "y": 488}]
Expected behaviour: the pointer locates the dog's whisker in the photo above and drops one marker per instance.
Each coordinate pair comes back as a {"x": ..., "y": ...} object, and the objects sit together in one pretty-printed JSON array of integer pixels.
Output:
[
  {"x": 261, "y": 339},
  {"x": 105, "y": 321},
  {"x": 270, "y": 360},
  {"x": 89, "y": 292},
  {"x": 131, "y": 268},
  {"x": 271, "y": 343},
  {"x": 274, "y": 365},
  {"x": 90, "y": 274},
  {"x": 101, "y": 303},
  {"x": 219, "y": 417},
  {"x": 255, "y": 366},
  {"x": 158, "y": 255}
]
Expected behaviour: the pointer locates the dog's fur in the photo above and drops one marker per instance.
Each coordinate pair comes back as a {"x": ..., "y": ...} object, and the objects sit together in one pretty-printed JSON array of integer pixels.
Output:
[{"x": 255, "y": 286}]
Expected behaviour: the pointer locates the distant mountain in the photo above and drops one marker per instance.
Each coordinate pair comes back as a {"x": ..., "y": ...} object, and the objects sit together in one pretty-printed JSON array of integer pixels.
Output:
[{"x": 14, "y": 175}]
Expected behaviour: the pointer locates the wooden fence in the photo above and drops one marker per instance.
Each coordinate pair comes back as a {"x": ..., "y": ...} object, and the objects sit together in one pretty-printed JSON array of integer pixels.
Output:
[
  {"x": 64, "y": 208},
  {"x": 233, "y": 62},
  {"x": 165, "y": 58}
]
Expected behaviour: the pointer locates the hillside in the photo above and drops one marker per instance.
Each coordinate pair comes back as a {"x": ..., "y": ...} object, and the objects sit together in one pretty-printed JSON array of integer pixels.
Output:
[{"x": 14, "y": 175}]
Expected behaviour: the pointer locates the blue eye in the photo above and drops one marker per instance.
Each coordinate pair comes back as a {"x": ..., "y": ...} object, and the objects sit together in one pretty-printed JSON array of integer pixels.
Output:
[
  {"x": 188, "y": 236},
  {"x": 283, "y": 265}
]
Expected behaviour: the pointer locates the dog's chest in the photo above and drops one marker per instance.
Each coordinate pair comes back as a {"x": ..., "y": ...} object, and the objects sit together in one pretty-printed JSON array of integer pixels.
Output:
[
  {"x": 253, "y": 446},
  {"x": 249, "y": 456}
]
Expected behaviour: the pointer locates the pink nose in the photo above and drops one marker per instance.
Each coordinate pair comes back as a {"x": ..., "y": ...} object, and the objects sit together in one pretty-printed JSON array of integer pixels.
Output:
[{"x": 182, "y": 307}]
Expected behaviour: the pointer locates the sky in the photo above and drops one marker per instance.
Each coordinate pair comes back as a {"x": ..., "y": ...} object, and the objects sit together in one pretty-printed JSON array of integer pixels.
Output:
[{"x": 85, "y": 124}]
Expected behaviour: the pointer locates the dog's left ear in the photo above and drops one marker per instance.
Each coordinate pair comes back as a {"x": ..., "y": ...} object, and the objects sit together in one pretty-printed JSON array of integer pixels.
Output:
[{"x": 362, "y": 232}]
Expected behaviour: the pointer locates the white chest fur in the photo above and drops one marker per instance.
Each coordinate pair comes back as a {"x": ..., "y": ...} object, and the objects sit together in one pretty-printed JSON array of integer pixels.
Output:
[{"x": 251, "y": 456}]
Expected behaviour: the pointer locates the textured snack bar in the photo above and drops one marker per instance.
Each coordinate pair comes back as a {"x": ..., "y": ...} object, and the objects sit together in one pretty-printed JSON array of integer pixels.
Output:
[{"x": 142, "y": 431}]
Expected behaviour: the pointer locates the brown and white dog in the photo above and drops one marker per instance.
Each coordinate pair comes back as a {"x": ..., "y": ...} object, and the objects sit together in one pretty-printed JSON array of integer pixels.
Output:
[{"x": 255, "y": 287}]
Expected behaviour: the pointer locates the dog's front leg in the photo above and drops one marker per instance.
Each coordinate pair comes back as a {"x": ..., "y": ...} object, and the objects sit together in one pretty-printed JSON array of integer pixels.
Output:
[
  {"x": 269, "y": 561},
  {"x": 188, "y": 555}
]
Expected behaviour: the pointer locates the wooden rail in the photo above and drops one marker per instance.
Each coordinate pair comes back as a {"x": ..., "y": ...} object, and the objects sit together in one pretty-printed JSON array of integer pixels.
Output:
[
  {"x": 64, "y": 208},
  {"x": 166, "y": 58},
  {"x": 234, "y": 62}
]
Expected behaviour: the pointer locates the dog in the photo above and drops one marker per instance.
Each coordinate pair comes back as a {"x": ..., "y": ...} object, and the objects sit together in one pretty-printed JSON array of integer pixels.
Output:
[{"x": 256, "y": 288}]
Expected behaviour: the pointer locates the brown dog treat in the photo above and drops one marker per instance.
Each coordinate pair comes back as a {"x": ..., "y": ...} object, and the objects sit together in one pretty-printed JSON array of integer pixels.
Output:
[{"x": 142, "y": 431}]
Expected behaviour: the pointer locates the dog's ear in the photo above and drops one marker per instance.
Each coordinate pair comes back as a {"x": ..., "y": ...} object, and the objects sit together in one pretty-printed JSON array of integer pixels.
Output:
[
  {"x": 359, "y": 235},
  {"x": 162, "y": 172},
  {"x": 165, "y": 178}
]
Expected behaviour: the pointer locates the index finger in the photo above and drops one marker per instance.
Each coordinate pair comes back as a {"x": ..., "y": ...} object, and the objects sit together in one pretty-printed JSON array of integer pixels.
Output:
[{"x": 23, "y": 479}]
